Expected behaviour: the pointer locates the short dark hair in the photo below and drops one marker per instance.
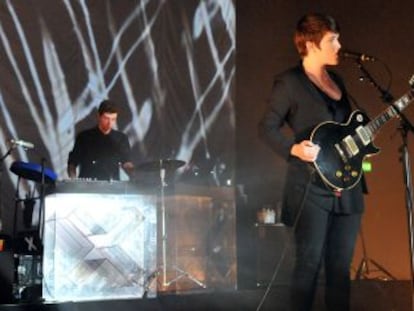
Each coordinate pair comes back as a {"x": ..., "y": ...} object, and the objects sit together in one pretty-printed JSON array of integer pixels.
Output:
[
  {"x": 312, "y": 27},
  {"x": 107, "y": 106}
]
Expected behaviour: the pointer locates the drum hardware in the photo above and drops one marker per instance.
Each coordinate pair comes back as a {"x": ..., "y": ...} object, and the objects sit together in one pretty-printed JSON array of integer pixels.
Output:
[
  {"x": 27, "y": 250},
  {"x": 164, "y": 166},
  {"x": 34, "y": 172},
  {"x": 37, "y": 173},
  {"x": 6, "y": 244}
]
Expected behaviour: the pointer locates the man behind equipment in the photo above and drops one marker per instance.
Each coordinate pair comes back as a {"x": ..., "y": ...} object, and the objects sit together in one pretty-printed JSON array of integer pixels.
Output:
[{"x": 101, "y": 151}]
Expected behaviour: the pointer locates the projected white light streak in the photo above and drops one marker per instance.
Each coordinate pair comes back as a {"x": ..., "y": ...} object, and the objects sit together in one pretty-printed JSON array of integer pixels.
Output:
[{"x": 169, "y": 63}]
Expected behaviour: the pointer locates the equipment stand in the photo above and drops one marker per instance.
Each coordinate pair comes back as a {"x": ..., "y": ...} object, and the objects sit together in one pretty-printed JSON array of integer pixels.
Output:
[
  {"x": 405, "y": 158},
  {"x": 364, "y": 270},
  {"x": 164, "y": 238},
  {"x": 405, "y": 127}
]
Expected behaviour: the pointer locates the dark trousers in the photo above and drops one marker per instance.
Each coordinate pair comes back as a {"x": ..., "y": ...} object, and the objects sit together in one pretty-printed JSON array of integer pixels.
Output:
[{"x": 323, "y": 237}]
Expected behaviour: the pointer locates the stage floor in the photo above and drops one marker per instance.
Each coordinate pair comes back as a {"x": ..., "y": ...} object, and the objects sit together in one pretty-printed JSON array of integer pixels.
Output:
[{"x": 366, "y": 295}]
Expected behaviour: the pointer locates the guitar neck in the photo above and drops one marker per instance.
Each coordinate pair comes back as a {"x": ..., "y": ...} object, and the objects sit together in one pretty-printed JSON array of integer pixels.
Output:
[{"x": 392, "y": 111}]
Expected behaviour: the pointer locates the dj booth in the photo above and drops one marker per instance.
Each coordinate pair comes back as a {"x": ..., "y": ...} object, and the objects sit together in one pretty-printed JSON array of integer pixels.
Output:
[{"x": 107, "y": 240}]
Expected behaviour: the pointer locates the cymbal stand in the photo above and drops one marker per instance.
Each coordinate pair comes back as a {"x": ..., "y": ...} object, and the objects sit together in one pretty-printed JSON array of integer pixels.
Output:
[
  {"x": 42, "y": 200},
  {"x": 163, "y": 228},
  {"x": 182, "y": 273}
]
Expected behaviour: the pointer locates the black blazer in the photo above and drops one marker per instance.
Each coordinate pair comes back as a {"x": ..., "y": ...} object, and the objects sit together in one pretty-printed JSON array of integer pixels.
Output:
[{"x": 295, "y": 101}]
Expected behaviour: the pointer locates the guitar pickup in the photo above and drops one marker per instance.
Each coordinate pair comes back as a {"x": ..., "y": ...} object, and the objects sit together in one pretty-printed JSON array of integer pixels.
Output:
[
  {"x": 350, "y": 146},
  {"x": 363, "y": 135}
]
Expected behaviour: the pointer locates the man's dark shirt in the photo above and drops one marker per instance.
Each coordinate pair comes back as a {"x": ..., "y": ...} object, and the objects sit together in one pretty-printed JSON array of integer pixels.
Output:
[{"x": 98, "y": 155}]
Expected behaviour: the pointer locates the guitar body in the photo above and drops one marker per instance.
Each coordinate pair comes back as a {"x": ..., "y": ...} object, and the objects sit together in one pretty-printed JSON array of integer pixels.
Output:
[{"x": 343, "y": 149}]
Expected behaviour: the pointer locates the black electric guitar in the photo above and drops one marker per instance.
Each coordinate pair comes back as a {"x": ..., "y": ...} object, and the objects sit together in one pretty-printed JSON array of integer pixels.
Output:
[{"x": 345, "y": 145}]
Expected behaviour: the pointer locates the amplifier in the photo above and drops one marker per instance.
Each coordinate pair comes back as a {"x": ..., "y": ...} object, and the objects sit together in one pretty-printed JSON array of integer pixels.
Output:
[{"x": 275, "y": 251}]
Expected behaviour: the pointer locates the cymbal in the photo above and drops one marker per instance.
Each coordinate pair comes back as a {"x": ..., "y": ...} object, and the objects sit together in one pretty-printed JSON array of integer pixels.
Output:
[{"x": 167, "y": 164}]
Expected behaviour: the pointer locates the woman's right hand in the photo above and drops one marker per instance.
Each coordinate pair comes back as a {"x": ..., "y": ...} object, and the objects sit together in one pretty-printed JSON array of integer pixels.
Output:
[{"x": 305, "y": 150}]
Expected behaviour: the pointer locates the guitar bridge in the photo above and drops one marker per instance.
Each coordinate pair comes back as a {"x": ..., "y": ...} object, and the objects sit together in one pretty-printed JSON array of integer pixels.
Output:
[{"x": 341, "y": 153}]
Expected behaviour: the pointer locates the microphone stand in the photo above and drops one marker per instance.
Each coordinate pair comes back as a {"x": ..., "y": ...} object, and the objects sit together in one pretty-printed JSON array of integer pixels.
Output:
[
  {"x": 405, "y": 127},
  {"x": 405, "y": 158}
]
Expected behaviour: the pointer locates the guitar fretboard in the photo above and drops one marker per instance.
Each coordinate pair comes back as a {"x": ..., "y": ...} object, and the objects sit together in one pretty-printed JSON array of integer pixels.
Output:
[{"x": 374, "y": 125}]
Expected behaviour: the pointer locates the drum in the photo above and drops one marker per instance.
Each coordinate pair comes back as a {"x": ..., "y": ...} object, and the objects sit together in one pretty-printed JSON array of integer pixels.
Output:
[{"x": 33, "y": 171}]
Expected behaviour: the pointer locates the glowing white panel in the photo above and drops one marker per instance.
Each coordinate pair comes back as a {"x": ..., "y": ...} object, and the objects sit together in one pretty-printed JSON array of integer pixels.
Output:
[{"x": 99, "y": 246}]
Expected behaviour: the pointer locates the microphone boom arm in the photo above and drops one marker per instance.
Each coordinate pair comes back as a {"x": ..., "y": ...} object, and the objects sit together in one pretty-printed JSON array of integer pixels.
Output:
[{"x": 386, "y": 96}]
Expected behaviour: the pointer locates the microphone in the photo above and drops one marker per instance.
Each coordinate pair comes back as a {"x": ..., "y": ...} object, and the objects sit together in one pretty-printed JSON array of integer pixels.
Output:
[
  {"x": 357, "y": 56},
  {"x": 22, "y": 143}
]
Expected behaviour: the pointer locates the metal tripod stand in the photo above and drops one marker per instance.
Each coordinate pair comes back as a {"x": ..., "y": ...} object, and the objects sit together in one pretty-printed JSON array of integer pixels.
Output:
[
  {"x": 181, "y": 273},
  {"x": 365, "y": 270},
  {"x": 163, "y": 166}
]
